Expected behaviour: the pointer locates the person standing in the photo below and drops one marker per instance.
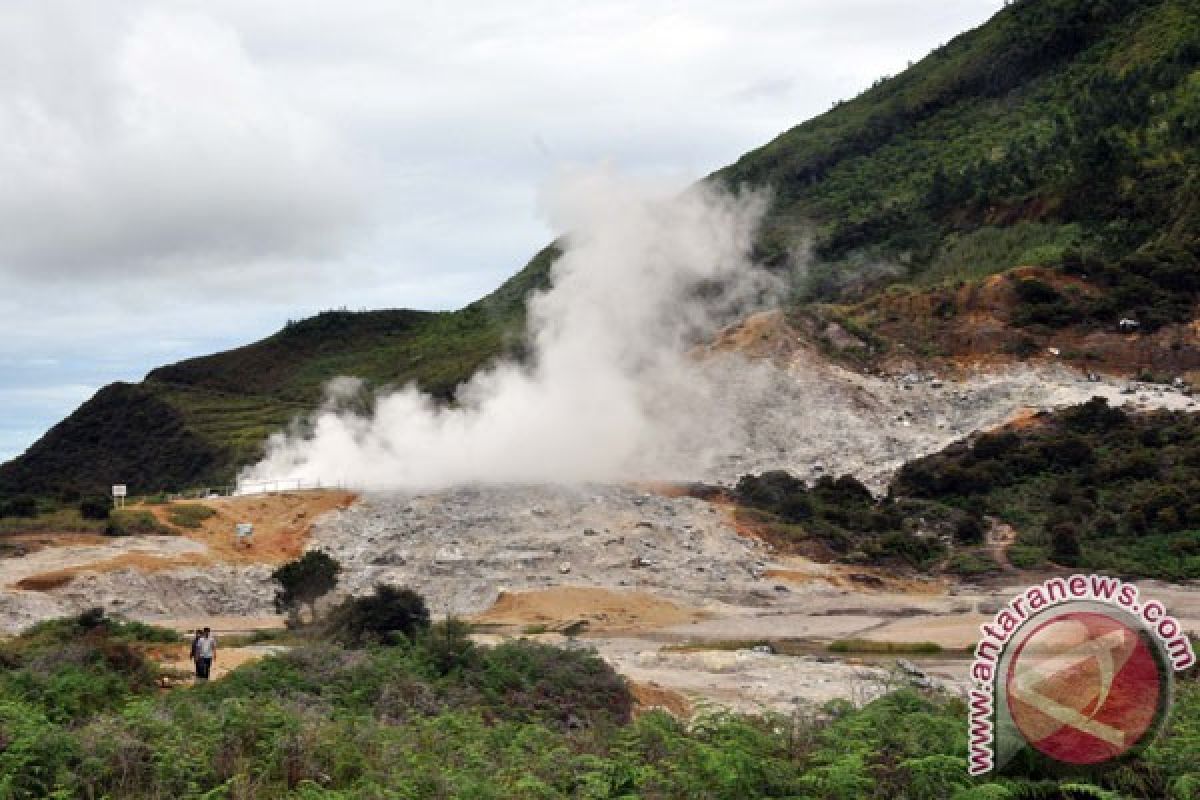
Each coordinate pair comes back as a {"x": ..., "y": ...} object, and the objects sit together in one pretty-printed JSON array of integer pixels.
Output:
[
  {"x": 195, "y": 657},
  {"x": 206, "y": 651}
]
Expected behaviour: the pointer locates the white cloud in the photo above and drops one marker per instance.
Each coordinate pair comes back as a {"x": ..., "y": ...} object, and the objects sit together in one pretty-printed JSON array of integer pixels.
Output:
[
  {"x": 184, "y": 175},
  {"x": 149, "y": 144}
]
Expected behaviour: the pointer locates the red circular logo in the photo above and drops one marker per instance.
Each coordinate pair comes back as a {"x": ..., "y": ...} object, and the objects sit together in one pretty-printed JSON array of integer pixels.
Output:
[{"x": 1084, "y": 687}]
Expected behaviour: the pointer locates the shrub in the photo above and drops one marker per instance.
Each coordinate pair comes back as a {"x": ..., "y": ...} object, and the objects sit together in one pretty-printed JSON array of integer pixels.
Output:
[
  {"x": 381, "y": 616},
  {"x": 995, "y": 445},
  {"x": 21, "y": 506},
  {"x": 970, "y": 564},
  {"x": 1064, "y": 543},
  {"x": 969, "y": 530},
  {"x": 134, "y": 523},
  {"x": 189, "y": 515},
  {"x": 95, "y": 508}
]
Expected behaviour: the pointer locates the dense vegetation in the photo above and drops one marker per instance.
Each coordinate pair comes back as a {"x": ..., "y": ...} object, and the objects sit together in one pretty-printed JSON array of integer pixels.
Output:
[
  {"x": 438, "y": 717},
  {"x": 1060, "y": 125},
  {"x": 1090, "y": 486},
  {"x": 1062, "y": 132},
  {"x": 840, "y": 518}
]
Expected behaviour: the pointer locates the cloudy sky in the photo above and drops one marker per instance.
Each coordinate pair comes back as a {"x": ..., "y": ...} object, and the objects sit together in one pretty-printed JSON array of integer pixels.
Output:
[{"x": 183, "y": 177}]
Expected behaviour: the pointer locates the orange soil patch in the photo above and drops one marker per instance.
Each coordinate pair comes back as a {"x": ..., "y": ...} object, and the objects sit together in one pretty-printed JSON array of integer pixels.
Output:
[
  {"x": 663, "y": 489},
  {"x": 972, "y": 325},
  {"x": 602, "y": 609},
  {"x": 1026, "y": 418},
  {"x": 795, "y": 576},
  {"x": 766, "y": 334},
  {"x": 747, "y": 525},
  {"x": 46, "y": 582},
  {"x": 860, "y": 579},
  {"x": 282, "y": 524},
  {"x": 652, "y": 697}
]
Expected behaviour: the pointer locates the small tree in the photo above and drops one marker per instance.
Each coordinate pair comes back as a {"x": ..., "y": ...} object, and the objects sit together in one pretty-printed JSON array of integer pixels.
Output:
[{"x": 304, "y": 581}]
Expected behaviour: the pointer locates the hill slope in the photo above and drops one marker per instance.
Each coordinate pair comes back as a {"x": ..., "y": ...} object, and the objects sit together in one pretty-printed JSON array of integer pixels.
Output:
[{"x": 1062, "y": 133}]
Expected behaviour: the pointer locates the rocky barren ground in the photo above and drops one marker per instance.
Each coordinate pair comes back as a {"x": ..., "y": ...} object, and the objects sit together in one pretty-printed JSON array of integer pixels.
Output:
[{"x": 647, "y": 572}]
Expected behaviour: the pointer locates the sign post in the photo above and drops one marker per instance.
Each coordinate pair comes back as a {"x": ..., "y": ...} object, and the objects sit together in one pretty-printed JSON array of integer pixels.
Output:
[{"x": 119, "y": 492}]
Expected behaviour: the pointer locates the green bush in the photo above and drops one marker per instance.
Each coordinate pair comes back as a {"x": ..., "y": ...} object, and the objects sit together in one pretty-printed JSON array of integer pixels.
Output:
[
  {"x": 1089, "y": 486},
  {"x": 22, "y": 506},
  {"x": 970, "y": 564},
  {"x": 134, "y": 523},
  {"x": 383, "y": 615},
  {"x": 188, "y": 515}
]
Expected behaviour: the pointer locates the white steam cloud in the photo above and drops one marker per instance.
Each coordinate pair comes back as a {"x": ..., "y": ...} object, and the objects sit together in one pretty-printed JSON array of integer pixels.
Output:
[{"x": 609, "y": 393}]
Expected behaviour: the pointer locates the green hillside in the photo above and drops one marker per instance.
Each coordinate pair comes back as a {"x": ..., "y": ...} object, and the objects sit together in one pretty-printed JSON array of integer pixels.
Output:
[
  {"x": 1089, "y": 486},
  {"x": 1062, "y": 133},
  {"x": 1059, "y": 126},
  {"x": 194, "y": 423}
]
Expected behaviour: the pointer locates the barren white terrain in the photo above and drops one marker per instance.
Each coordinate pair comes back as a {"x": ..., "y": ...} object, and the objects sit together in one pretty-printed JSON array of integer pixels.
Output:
[{"x": 645, "y": 577}]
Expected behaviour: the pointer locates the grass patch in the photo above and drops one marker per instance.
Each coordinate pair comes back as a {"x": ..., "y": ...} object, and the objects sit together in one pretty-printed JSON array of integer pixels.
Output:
[
  {"x": 66, "y": 520},
  {"x": 969, "y": 563},
  {"x": 269, "y": 636},
  {"x": 1090, "y": 486},
  {"x": 189, "y": 515},
  {"x": 884, "y": 648},
  {"x": 1027, "y": 556},
  {"x": 135, "y": 523}
]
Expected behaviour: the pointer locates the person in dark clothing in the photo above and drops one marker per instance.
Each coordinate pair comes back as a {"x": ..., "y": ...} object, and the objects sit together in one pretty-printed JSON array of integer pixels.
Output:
[{"x": 194, "y": 657}]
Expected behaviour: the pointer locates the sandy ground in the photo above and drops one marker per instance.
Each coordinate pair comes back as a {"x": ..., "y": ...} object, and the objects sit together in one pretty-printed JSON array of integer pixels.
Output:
[{"x": 601, "y": 609}]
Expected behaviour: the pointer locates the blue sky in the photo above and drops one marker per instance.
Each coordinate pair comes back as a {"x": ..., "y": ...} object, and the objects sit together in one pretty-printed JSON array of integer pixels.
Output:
[{"x": 183, "y": 177}]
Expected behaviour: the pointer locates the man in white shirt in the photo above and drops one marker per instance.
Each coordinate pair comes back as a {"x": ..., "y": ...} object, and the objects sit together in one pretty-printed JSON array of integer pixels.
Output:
[{"x": 206, "y": 651}]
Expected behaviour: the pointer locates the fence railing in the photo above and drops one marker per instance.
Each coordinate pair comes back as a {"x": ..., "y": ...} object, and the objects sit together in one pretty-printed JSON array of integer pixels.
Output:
[{"x": 283, "y": 485}]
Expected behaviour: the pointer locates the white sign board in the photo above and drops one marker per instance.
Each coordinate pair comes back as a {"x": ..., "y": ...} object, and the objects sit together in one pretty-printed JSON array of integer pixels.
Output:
[
  {"x": 244, "y": 529},
  {"x": 119, "y": 490}
]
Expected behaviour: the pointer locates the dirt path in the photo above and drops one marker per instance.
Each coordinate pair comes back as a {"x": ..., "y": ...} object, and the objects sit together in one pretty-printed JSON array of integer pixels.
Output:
[
  {"x": 1000, "y": 537},
  {"x": 228, "y": 659}
]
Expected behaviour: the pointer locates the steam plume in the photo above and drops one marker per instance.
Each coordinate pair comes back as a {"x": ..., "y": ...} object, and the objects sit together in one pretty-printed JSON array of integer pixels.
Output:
[{"x": 609, "y": 393}]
